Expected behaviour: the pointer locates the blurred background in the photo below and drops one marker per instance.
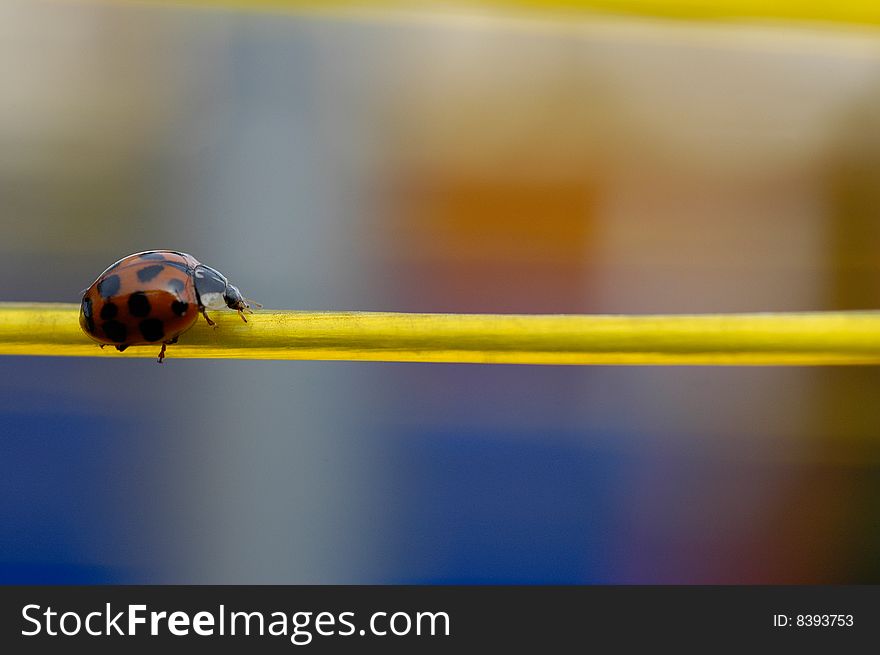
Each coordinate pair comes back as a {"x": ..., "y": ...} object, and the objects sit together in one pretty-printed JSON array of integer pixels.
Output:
[{"x": 440, "y": 162}]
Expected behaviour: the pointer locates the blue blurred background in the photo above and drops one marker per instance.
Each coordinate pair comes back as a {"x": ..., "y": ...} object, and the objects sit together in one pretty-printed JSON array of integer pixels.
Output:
[{"x": 451, "y": 164}]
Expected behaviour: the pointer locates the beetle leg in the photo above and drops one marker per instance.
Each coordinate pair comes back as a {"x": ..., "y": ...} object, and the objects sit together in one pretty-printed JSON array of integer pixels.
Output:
[
  {"x": 161, "y": 354},
  {"x": 205, "y": 314}
]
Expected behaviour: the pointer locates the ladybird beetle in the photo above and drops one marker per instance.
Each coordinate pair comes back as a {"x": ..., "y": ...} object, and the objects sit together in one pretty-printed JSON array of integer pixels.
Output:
[{"x": 152, "y": 297}]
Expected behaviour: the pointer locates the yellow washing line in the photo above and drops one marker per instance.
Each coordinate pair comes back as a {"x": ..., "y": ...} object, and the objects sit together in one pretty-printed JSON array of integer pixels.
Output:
[
  {"x": 855, "y": 12},
  {"x": 715, "y": 339}
]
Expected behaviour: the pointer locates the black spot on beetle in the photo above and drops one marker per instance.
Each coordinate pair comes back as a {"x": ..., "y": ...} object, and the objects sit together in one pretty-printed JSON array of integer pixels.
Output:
[
  {"x": 176, "y": 286},
  {"x": 179, "y": 308},
  {"x": 115, "y": 331},
  {"x": 153, "y": 255},
  {"x": 109, "y": 286},
  {"x": 87, "y": 315},
  {"x": 152, "y": 329},
  {"x": 149, "y": 272},
  {"x": 138, "y": 305},
  {"x": 109, "y": 311}
]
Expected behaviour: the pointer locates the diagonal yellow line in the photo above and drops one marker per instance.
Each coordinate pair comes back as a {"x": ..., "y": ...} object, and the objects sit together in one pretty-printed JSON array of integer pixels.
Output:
[{"x": 714, "y": 339}]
